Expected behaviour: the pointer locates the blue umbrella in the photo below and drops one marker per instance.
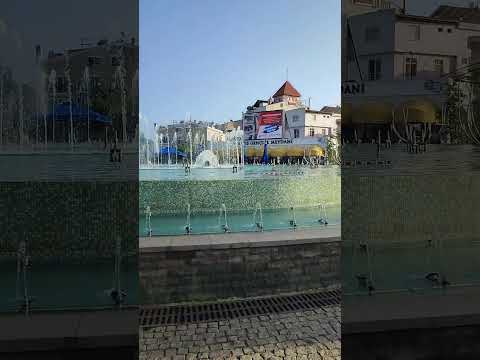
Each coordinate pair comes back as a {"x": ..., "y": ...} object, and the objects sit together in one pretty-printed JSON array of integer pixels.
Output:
[
  {"x": 164, "y": 151},
  {"x": 79, "y": 113},
  {"x": 265, "y": 154}
]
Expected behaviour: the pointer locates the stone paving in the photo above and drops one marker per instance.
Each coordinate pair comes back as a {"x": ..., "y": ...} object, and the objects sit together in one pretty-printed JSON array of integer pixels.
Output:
[{"x": 305, "y": 335}]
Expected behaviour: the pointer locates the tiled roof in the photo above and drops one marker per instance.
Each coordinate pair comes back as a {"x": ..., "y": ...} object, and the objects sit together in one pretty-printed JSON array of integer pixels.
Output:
[
  {"x": 463, "y": 14},
  {"x": 331, "y": 109},
  {"x": 287, "y": 89}
]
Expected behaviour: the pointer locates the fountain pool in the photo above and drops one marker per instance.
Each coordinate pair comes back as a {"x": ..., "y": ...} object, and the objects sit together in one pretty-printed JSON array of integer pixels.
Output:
[{"x": 257, "y": 198}]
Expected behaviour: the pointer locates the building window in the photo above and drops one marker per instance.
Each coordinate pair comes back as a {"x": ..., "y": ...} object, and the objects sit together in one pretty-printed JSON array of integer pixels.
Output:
[
  {"x": 449, "y": 30},
  {"x": 410, "y": 68},
  {"x": 374, "y": 69},
  {"x": 324, "y": 131},
  {"x": 115, "y": 61},
  {"x": 296, "y": 133},
  {"x": 438, "y": 66},
  {"x": 372, "y": 34},
  {"x": 94, "y": 60},
  {"x": 440, "y": 29},
  {"x": 413, "y": 32},
  {"x": 295, "y": 118},
  {"x": 311, "y": 132},
  {"x": 330, "y": 131},
  {"x": 464, "y": 61}
]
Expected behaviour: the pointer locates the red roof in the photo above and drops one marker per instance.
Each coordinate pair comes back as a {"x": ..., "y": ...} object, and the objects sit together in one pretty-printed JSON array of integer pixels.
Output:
[{"x": 287, "y": 89}]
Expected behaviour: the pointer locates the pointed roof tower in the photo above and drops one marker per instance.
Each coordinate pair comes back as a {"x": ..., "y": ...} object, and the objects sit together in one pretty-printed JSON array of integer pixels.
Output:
[{"x": 287, "y": 89}]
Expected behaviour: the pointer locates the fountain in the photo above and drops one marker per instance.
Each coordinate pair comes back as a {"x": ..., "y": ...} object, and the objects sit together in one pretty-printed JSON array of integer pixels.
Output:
[
  {"x": 155, "y": 147},
  {"x": 223, "y": 216},
  {"x": 44, "y": 102},
  {"x": 207, "y": 159},
  {"x": 188, "y": 226},
  {"x": 52, "y": 82},
  {"x": 322, "y": 218},
  {"x": 134, "y": 90},
  {"x": 117, "y": 294},
  {"x": 293, "y": 218},
  {"x": 120, "y": 80},
  {"x": 148, "y": 215},
  {"x": 1, "y": 107},
  {"x": 191, "y": 147},
  {"x": 69, "y": 85},
  {"x": 258, "y": 217},
  {"x": 175, "y": 141},
  {"x": 147, "y": 157},
  {"x": 196, "y": 142},
  {"x": 160, "y": 155},
  {"x": 168, "y": 149},
  {"x": 20, "y": 114},
  {"x": 86, "y": 79},
  {"x": 23, "y": 263}
]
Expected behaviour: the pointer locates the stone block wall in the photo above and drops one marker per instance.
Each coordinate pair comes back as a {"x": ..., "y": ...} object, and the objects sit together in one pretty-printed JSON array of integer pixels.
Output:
[
  {"x": 68, "y": 219},
  {"x": 208, "y": 273}
]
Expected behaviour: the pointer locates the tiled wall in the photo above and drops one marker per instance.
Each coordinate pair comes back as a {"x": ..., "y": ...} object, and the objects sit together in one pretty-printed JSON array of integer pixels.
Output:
[
  {"x": 411, "y": 208},
  {"x": 68, "y": 219},
  {"x": 173, "y": 196}
]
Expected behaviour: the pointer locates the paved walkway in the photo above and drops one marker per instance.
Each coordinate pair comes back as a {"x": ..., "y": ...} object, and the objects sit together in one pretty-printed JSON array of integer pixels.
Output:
[{"x": 307, "y": 335}]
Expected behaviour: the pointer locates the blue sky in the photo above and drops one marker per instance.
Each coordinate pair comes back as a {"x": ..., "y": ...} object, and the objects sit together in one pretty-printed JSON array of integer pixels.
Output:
[{"x": 212, "y": 58}]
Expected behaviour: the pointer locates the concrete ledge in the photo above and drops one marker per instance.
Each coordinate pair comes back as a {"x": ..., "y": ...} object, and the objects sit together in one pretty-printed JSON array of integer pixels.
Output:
[
  {"x": 330, "y": 233},
  {"x": 69, "y": 330},
  {"x": 457, "y": 306}
]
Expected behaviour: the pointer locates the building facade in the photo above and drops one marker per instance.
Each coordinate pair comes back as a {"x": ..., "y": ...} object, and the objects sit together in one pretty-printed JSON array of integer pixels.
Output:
[
  {"x": 287, "y": 128},
  {"x": 352, "y": 8},
  {"x": 98, "y": 74},
  {"x": 399, "y": 67},
  {"x": 203, "y": 134},
  {"x": 299, "y": 121}
]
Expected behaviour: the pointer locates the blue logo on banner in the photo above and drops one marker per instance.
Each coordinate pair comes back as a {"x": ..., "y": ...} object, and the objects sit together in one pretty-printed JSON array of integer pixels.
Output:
[{"x": 270, "y": 129}]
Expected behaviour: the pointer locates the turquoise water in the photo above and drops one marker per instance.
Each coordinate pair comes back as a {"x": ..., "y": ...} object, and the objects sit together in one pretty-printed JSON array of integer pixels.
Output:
[
  {"x": 403, "y": 267},
  {"x": 240, "y": 221},
  {"x": 168, "y": 192},
  {"x": 56, "y": 286}
]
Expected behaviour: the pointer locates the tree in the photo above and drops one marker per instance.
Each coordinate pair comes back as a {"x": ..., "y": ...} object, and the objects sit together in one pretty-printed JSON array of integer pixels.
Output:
[
  {"x": 455, "y": 111},
  {"x": 333, "y": 151}
]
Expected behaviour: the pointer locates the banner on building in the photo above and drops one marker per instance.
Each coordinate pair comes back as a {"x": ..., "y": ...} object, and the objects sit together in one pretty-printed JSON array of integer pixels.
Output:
[{"x": 270, "y": 125}]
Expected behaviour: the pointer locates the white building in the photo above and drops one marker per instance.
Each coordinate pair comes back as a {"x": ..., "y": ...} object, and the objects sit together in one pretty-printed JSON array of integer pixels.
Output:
[
  {"x": 399, "y": 65},
  {"x": 296, "y": 131},
  {"x": 357, "y": 7},
  {"x": 205, "y": 133},
  {"x": 394, "y": 46},
  {"x": 299, "y": 121},
  {"x": 306, "y": 123}
]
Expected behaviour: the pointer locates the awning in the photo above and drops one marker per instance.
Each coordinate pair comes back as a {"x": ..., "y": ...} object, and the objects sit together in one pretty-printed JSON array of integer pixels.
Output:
[
  {"x": 372, "y": 113},
  {"x": 347, "y": 113},
  {"x": 419, "y": 111},
  {"x": 285, "y": 151}
]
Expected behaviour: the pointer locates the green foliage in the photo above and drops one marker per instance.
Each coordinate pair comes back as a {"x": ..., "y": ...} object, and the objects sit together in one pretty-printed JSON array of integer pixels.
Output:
[
  {"x": 333, "y": 152},
  {"x": 455, "y": 112}
]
